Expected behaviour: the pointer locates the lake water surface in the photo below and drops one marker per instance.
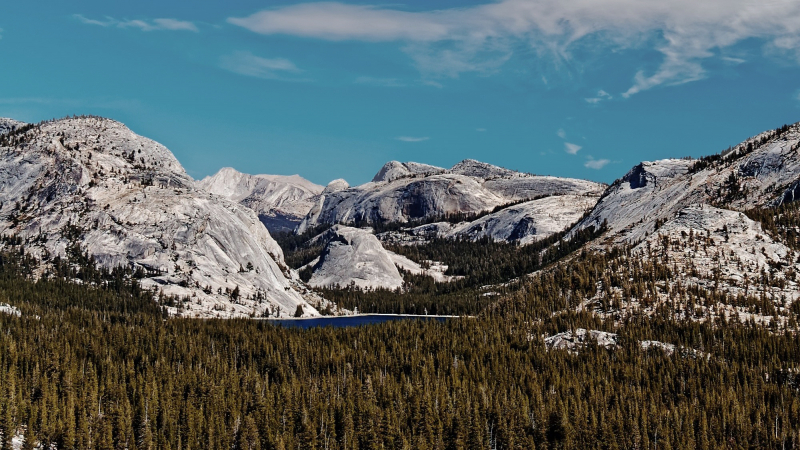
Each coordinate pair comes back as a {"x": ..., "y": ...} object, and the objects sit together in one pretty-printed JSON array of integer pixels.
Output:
[{"x": 352, "y": 321}]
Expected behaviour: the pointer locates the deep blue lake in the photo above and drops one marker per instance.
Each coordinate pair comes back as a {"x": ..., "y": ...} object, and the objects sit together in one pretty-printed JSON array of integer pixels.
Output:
[{"x": 350, "y": 321}]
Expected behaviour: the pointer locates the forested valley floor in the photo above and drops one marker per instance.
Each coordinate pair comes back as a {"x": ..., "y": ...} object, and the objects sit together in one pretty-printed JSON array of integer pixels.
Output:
[{"x": 97, "y": 365}]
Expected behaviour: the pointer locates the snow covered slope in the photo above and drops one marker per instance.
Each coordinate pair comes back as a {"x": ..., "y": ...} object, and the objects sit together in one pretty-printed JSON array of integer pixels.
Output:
[
  {"x": 406, "y": 191},
  {"x": 127, "y": 201},
  {"x": 354, "y": 256},
  {"x": 281, "y": 202},
  {"x": 761, "y": 171}
]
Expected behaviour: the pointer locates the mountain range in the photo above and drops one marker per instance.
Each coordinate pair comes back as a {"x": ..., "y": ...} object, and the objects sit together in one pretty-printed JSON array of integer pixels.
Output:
[{"x": 90, "y": 186}]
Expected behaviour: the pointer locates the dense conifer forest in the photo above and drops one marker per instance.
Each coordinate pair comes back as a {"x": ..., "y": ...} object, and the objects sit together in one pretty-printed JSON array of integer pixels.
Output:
[
  {"x": 477, "y": 264},
  {"x": 98, "y": 366}
]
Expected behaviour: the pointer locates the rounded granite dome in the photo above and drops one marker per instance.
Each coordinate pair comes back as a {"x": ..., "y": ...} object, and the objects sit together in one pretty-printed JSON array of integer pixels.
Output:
[{"x": 336, "y": 185}]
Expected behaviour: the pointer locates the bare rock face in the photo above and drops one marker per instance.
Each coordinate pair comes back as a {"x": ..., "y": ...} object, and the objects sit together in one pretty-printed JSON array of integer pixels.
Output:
[
  {"x": 395, "y": 169},
  {"x": 574, "y": 341},
  {"x": 7, "y": 125},
  {"x": 528, "y": 222},
  {"x": 353, "y": 256},
  {"x": 336, "y": 185},
  {"x": 281, "y": 202},
  {"x": 126, "y": 200},
  {"x": 761, "y": 171},
  {"x": 402, "y": 192}
]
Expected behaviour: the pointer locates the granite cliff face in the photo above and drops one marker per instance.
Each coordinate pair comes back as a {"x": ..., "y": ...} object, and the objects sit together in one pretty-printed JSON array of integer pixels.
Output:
[
  {"x": 353, "y": 256},
  {"x": 126, "y": 200},
  {"x": 402, "y": 192}
]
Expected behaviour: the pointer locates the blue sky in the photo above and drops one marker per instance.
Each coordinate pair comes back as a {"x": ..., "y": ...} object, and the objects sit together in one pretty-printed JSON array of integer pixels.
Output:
[{"x": 581, "y": 88}]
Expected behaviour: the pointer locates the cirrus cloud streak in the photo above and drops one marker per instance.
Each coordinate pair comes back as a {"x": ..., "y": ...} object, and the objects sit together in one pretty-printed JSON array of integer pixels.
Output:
[
  {"x": 481, "y": 38},
  {"x": 143, "y": 25}
]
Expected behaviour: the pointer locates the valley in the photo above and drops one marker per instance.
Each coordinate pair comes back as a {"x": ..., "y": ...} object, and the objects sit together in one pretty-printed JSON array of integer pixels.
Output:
[{"x": 140, "y": 308}]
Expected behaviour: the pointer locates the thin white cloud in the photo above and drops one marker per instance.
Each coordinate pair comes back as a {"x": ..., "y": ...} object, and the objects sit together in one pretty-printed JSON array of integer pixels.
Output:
[
  {"x": 246, "y": 63},
  {"x": 411, "y": 138},
  {"x": 561, "y": 133},
  {"x": 1, "y": 33},
  {"x": 733, "y": 60},
  {"x": 103, "y": 23},
  {"x": 596, "y": 164},
  {"x": 161, "y": 24},
  {"x": 482, "y": 37},
  {"x": 601, "y": 95},
  {"x": 175, "y": 25},
  {"x": 571, "y": 148}
]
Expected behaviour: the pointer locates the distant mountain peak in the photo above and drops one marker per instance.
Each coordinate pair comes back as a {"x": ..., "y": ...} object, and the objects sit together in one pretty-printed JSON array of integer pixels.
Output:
[
  {"x": 280, "y": 201},
  {"x": 478, "y": 169},
  {"x": 393, "y": 170},
  {"x": 336, "y": 185}
]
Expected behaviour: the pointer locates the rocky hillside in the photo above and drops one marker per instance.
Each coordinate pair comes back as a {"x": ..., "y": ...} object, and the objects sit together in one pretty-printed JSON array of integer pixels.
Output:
[
  {"x": 281, "y": 202},
  {"x": 91, "y": 185},
  {"x": 403, "y": 192},
  {"x": 522, "y": 223},
  {"x": 761, "y": 171},
  {"x": 693, "y": 249}
]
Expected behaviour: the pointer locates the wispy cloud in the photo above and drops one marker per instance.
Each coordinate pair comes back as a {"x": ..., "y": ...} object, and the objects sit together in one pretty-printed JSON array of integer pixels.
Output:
[
  {"x": 601, "y": 95},
  {"x": 1, "y": 33},
  {"x": 483, "y": 37},
  {"x": 246, "y": 63},
  {"x": 596, "y": 164},
  {"x": 144, "y": 25},
  {"x": 733, "y": 60},
  {"x": 411, "y": 138},
  {"x": 561, "y": 133},
  {"x": 571, "y": 148}
]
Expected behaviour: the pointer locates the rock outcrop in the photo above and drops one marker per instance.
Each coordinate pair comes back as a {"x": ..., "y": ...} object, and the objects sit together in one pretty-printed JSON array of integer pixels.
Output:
[
  {"x": 353, "y": 256},
  {"x": 762, "y": 171},
  {"x": 92, "y": 184}
]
